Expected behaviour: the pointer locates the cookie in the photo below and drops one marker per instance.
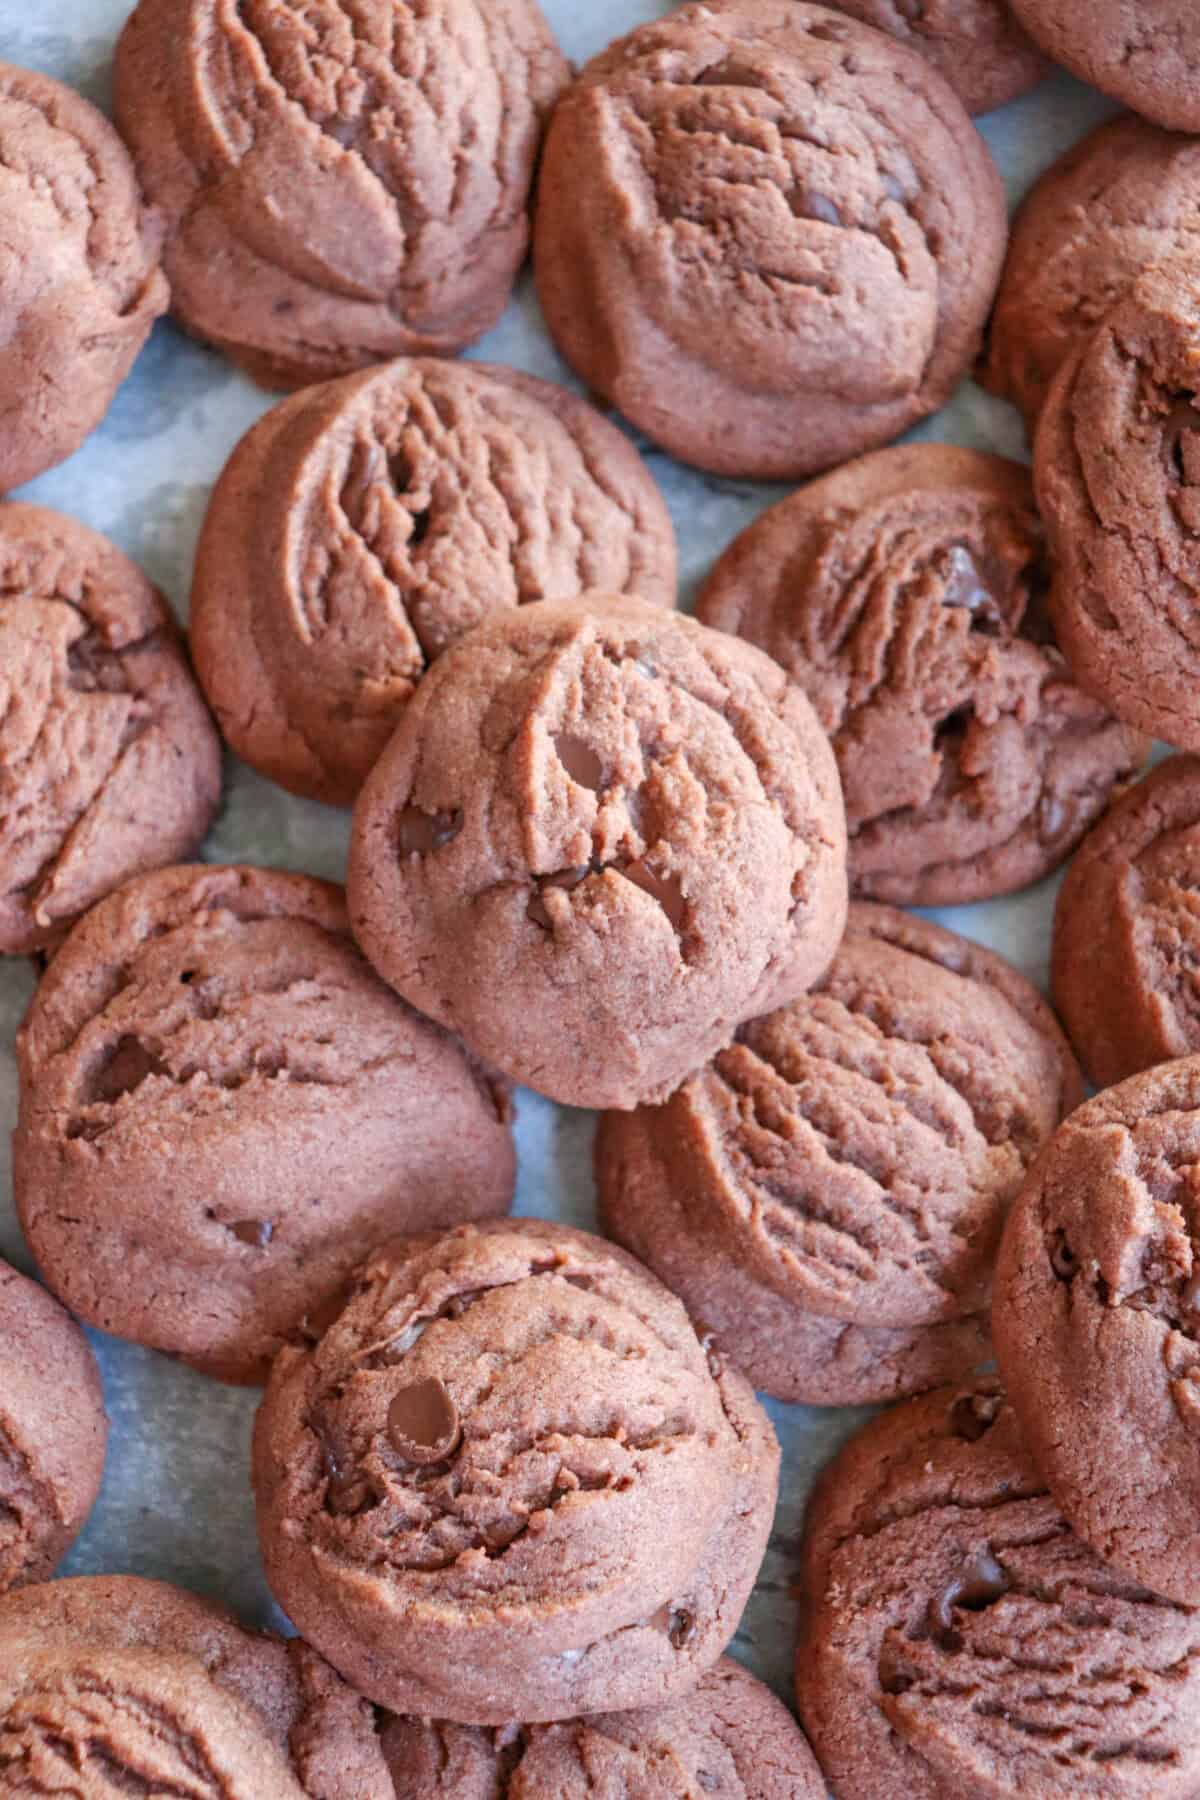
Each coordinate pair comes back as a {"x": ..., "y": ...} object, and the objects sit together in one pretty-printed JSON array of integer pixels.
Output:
[
  {"x": 103, "y": 1724},
  {"x": 80, "y": 282},
  {"x": 109, "y": 764},
  {"x": 961, "y": 1643},
  {"x": 768, "y": 234},
  {"x": 1117, "y": 473},
  {"x": 729, "y": 1737},
  {"x": 363, "y": 525},
  {"x": 326, "y": 1732},
  {"x": 509, "y": 1482},
  {"x": 1144, "y": 53},
  {"x": 827, "y": 1196},
  {"x": 53, "y": 1431},
  {"x": 1117, "y": 203},
  {"x": 601, "y": 837},
  {"x": 1096, "y": 1326},
  {"x": 1126, "y": 929},
  {"x": 905, "y": 595},
  {"x": 976, "y": 46},
  {"x": 339, "y": 184},
  {"x": 222, "y": 1109}
]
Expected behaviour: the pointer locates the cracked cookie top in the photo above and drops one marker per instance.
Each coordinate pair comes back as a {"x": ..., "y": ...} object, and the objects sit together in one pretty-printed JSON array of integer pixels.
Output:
[
  {"x": 222, "y": 1107},
  {"x": 905, "y": 594},
  {"x": 364, "y": 525},
  {"x": 1146, "y": 56},
  {"x": 342, "y": 180},
  {"x": 767, "y": 233},
  {"x": 601, "y": 836},
  {"x": 109, "y": 763},
  {"x": 509, "y": 1480},
  {"x": 80, "y": 283},
  {"x": 960, "y": 1642},
  {"x": 1097, "y": 1323},
  {"x": 976, "y": 46}
]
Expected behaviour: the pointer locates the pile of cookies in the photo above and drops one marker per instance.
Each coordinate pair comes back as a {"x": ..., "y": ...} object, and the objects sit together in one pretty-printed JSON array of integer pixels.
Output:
[{"x": 512, "y": 1481}]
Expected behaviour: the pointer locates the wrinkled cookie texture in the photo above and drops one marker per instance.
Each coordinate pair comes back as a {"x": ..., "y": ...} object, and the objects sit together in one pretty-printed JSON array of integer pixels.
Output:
[
  {"x": 1119, "y": 202},
  {"x": 103, "y": 1724},
  {"x": 1145, "y": 53},
  {"x": 827, "y": 1196},
  {"x": 1097, "y": 1324},
  {"x": 327, "y": 1732},
  {"x": 416, "y": 128},
  {"x": 906, "y": 595},
  {"x": 769, "y": 234},
  {"x": 80, "y": 284},
  {"x": 365, "y": 524},
  {"x": 53, "y": 1430},
  {"x": 601, "y": 837},
  {"x": 729, "y": 1737},
  {"x": 510, "y": 1481},
  {"x": 222, "y": 1109},
  {"x": 975, "y": 45},
  {"x": 109, "y": 763},
  {"x": 961, "y": 1643},
  {"x": 1117, "y": 473},
  {"x": 1127, "y": 929}
]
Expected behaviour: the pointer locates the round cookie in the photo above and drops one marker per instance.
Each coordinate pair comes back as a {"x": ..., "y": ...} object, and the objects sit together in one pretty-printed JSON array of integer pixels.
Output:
[
  {"x": 729, "y": 1737},
  {"x": 53, "y": 1431},
  {"x": 1144, "y": 53},
  {"x": 222, "y": 1109},
  {"x": 362, "y": 526},
  {"x": 601, "y": 837},
  {"x": 768, "y": 234},
  {"x": 961, "y": 1643},
  {"x": 1096, "y": 1325},
  {"x": 1127, "y": 930},
  {"x": 103, "y": 1724},
  {"x": 80, "y": 283},
  {"x": 509, "y": 1482},
  {"x": 904, "y": 594},
  {"x": 827, "y": 1196},
  {"x": 326, "y": 1732},
  {"x": 1117, "y": 474},
  {"x": 415, "y": 129},
  {"x": 976, "y": 46},
  {"x": 109, "y": 764},
  {"x": 1117, "y": 203}
]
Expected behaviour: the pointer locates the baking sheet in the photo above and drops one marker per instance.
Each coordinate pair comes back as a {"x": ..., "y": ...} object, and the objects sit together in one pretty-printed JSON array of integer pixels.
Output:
[{"x": 176, "y": 1499}]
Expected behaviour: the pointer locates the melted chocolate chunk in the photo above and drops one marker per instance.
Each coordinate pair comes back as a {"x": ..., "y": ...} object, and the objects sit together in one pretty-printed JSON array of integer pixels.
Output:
[
  {"x": 423, "y": 1423},
  {"x": 666, "y": 889},
  {"x": 681, "y": 1628},
  {"x": 973, "y": 1415},
  {"x": 982, "y": 1582},
  {"x": 808, "y": 203},
  {"x": 418, "y": 832},
  {"x": 580, "y": 761},
  {"x": 966, "y": 586},
  {"x": 1063, "y": 1259},
  {"x": 128, "y": 1064},
  {"x": 255, "y": 1232},
  {"x": 1181, "y": 440},
  {"x": 537, "y": 910}
]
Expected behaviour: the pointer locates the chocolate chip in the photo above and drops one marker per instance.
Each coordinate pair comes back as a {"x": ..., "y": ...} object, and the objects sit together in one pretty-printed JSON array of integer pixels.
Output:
[
  {"x": 1063, "y": 1259},
  {"x": 419, "y": 832},
  {"x": 681, "y": 1628},
  {"x": 345, "y": 1491},
  {"x": 964, "y": 585},
  {"x": 537, "y": 910},
  {"x": 973, "y": 1415},
  {"x": 808, "y": 203},
  {"x": 255, "y": 1232},
  {"x": 580, "y": 761},
  {"x": 895, "y": 1672},
  {"x": 127, "y": 1065},
  {"x": 666, "y": 889},
  {"x": 1181, "y": 423},
  {"x": 983, "y": 1581},
  {"x": 423, "y": 1422}
]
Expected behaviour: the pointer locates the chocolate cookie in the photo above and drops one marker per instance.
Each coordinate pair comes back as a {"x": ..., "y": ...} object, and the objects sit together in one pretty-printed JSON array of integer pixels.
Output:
[
  {"x": 976, "y": 46},
  {"x": 769, "y": 234},
  {"x": 223, "y": 1109},
  {"x": 362, "y": 526},
  {"x": 80, "y": 283},
  {"x": 1127, "y": 929},
  {"x": 509, "y": 1482},
  {"x": 109, "y": 763},
  {"x": 1145, "y": 53},
  {"x": 961, "y": 1643},
  {"x": 1117, "y": 472},
  {"x": 827, "y": 1196},
  {"x": 327, "y": 1733},
  {"x": 1125, "y": 198},
  {"x": 600, "y": 838},
  {"x": 340, "y": 184},
  {"x": 107, "y": 1723},
  {"x": 729, "y": 1737},
  {"x": 1096, "y": 1326},
  {"x": 905, "y": 595},
  {"x": 53, "y": 1431}
]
